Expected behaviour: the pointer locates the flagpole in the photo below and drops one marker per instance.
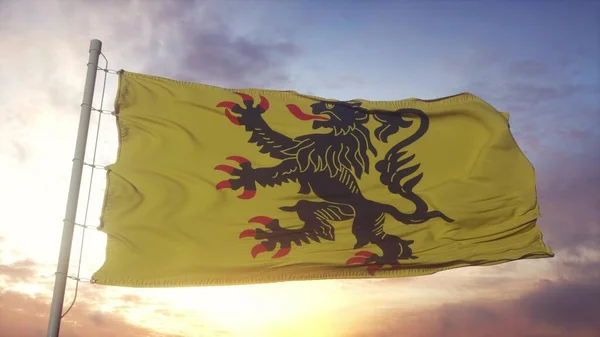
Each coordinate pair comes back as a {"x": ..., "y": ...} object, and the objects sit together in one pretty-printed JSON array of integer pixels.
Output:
[{"x": 62, "y": 268}]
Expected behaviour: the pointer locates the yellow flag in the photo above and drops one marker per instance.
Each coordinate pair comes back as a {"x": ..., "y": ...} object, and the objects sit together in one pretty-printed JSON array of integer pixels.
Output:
[{"x": 217, "y": 186}]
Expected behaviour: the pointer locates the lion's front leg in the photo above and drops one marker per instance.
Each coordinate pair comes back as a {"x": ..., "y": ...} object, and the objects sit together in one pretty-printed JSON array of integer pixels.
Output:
[
  {"x": 247, "y": 177},
  {"x": 243, "y": 177}
]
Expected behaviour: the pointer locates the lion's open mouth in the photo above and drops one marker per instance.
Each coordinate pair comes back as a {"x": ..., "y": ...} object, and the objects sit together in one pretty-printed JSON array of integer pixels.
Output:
[{"x": 301, "y": 115}]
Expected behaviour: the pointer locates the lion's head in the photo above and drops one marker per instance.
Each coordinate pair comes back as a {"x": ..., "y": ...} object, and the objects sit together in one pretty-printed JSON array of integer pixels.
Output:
[{"x": 343, "y": 116}]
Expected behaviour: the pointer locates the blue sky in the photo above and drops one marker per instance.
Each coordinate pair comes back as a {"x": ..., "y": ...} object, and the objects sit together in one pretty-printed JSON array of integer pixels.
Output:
[{"x": 537, "y": 60}]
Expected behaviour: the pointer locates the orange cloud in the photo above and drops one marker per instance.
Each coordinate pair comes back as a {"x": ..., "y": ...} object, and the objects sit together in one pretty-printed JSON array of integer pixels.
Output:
[
  {"x": 26, "y": 316},
  {"x": 18, "y": 271},
  {"x": 552, "y": 309}
]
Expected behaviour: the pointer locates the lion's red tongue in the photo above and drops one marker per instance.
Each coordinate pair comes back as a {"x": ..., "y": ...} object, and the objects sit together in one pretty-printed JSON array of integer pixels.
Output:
[{"x": 298, "y": 113}]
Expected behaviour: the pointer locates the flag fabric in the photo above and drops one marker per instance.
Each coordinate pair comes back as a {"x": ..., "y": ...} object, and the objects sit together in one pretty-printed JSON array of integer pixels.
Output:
[{"x": 216, "y": 186}]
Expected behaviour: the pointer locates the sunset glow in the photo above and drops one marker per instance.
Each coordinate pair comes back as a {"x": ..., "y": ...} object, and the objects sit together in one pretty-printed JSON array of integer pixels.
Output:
[{"x": 537, "y": 61}]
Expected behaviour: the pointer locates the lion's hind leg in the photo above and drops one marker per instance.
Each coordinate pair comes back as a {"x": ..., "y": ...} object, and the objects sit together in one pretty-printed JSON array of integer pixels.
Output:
[
  {"x": 316, "y": 218},
  {"x": 368, "y": 229},
  {"x": 317, "y": 215}
]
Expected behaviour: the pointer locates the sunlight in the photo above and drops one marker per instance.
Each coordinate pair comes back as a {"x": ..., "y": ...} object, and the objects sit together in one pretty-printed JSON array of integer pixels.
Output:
[{"x": 259, "y": 308}]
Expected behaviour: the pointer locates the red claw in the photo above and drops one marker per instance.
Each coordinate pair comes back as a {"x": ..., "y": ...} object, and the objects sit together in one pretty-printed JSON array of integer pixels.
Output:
[
  {"x": 281, "y": 253},
  {"x": 259, "y": 248},
  {"x": 226, "y": 104},
  {"x": 264, "y": 103},
  {"x": 245, "y": 97},
  {"x": 371, "y": 269},
  {"x": 356, "y": 259},
  {"x": 263, "y": 220},
  {"x": 247, "y": 194},
  {"x": 238, "y": 159},
  {"x": 362, "y": 257},
  {"x": 225, "y": 168},
  {"x": 248, "y": 233},
  {"x": 232, "y": 118},
  {"x": 364, "y": 253},
  {"x": 223, "y": 184}
]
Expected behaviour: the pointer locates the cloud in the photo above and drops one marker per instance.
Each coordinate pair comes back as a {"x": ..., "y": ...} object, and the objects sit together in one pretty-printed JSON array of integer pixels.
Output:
[
  {"x": 571, "y": 306},
  {"x": 209, "y": 52},
  {"x": 27, "y": 316},
  {"x": 568, "y": 200},
  {"x": 185, "y": 40},
  {"x": 129, "y": 298},
  {"x": 553, "y": 309},
  {"x": 21, "y": 270},
  {"x": 533, "y": 86},
  {"x": 567, "y": 306}
]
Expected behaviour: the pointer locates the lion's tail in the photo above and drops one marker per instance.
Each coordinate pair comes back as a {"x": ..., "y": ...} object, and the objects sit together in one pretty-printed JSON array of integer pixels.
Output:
[
  {"x": 420, "y": 215},
  {"x": 396, "y": 169}
]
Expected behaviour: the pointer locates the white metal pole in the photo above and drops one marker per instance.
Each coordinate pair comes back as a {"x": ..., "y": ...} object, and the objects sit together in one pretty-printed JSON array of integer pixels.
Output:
[{"x": 62, "y": 269}]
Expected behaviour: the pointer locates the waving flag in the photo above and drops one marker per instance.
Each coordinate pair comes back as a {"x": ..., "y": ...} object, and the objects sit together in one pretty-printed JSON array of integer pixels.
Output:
[{"x": 215, "y": 186}]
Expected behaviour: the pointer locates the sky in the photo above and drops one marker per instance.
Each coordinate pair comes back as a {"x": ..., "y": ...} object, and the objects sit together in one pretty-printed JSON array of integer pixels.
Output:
[{"x": 537, "y": 60}]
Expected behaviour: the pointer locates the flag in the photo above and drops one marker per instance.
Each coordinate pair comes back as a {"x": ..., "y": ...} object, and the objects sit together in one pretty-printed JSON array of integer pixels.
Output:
[{"x": 216, "y": 186}]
